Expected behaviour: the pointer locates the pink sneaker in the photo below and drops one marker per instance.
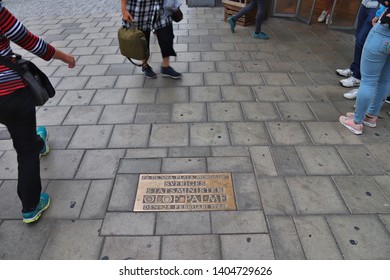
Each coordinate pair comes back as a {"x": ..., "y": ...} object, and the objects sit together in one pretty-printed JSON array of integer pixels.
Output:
[
  {"x": 369, "y": 121},
  {"x": 351, "y": 125}
]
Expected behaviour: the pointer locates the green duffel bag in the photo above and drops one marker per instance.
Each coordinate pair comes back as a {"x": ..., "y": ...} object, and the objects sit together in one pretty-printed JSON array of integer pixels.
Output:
[{"x": 133, "y": 44}]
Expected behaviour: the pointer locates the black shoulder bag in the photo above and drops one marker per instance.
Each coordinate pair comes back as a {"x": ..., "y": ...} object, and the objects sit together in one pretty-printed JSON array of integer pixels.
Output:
[{"x": 38, "y": 83}]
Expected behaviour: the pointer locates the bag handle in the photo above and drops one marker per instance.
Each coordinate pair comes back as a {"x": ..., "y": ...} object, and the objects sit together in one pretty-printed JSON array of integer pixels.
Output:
[
  {"x": 7, "y": 61},
  {"x": 130, "y": 24}
]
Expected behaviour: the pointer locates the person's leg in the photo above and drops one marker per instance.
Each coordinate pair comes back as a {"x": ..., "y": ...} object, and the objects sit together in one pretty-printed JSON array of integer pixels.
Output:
[
  {"x": 146, "y": 69},
  {"x": 252, "y": 5},
  {"x": 259, "y": 15},
  {"x": 165, "y": 38},
  {"x": 361, "y": 18},
  {"x": 18, "y": 115}
]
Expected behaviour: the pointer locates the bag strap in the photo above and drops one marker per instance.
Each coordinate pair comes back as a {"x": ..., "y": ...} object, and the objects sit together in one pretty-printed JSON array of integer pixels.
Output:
[{"x": 7, "y": 61}]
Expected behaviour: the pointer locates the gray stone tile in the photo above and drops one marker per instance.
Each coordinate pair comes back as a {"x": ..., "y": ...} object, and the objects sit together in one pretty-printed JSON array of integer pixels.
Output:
[
  {"x": 123, "y": 193},
  {"x": 277, "y": 79},
  {"x": 245, "y": 222},
  {"x": 116, "y": 114},
  {"x": 237, "y": 93},
  {"x": 148, "y": 165},
  {"x": 65, "y": 71},
  {"x": 130, "y": 136},
  {"x": 202, "y": 67},
  {"x": 10, "y": 204},
  {"x": 172, "y": 95},
  {"x": 213, "y": 56},
  {"x": 169, "y": 135},
  {"x": 9, "y": 165},
  {"x": 189, "y": 112},
  {"x": 153, "y": 113},
  {"x": 229, "y": 66},
  {"x": 248, "y": 79},
  {"x": 225, "y": 111},
  {"x": 360, "y": 160},
  {"x": 229, "y": 164},
  {"x": 301, "y": 79},
  {"x": 83, "y": 50},
  {"x": 362, "y": 195},
  {"x": 209, "y": 134},
  {"x": 316, "y": 195},
  {"x": 295, "y": 111},
  {"x": 21, "y": 242},
  {"x": 324, "y": 112},
  {"x": 262, "y": 161},
  {"x": 205, "y": 94},
  {"x": 120, "y": 69},
  {"x": 61, "y": 164},
  {"x": 147, "y": 153},
  {"x": 190, "y": 247},
  {"x": 67, "y": 198},
  {"x": 381, "y": 151},
  {"x": 52, "y": 115},
  {"x": 96, "y": 202},
  {"x": 101, "y": 82},
  {"x": 246, "y": 191},
  {"x": 383, "y": 183},
  {"x": 288, "y": 133},
  {"x": 108, "y": 96},
  {"x": 131, "y": 248},
  {"x": 386, "y": 221},
  {"x": 256, "y": 111},
  {"x": 134, "y": 81},
  {"x": 247, "y": 247},
  {"x": 248, "y": 133},
  {"x": 99, "y": 164},
  {"x": 91, "y": 137},
  {"x": 256, "y": 66},
  {"x": 110, "y": 59},
  {"x": 79, "y": 115},
  {"x": 298, "y": 94},
  {"x": 141, "y": 95},
  {"x": 316, "y": 238},
  {"x": 324, "y": 133},
  {"x": 275, "y": 196},
  {"x": 230, "y": 151},
  {"x": 74, "y": 240},
  {"x": 361, "y": 237},
  {"x": 322, "y": 160},
  {"x": 187, "y": 165},
  {"x": 287, "y": 161},
  {"x": 172, "y": 223},
  {"x": 270, "y": 93},
  {"x": 218, "y": 79},
  {"x": 189, "y": 152},
  {"x": 117, "y": 223},
  {"x": 77, "y": 97},
  {"x": 94, "y": 70},
  {"x": 285, "y": 238},
  {"x": 75, "y": 83}
]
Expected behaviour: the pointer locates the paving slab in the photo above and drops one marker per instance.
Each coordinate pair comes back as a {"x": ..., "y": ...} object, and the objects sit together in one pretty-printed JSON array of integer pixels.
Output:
[
  {"x": 176, "y": 223},
  {"x": 124, "y": 223},
  {"x": 123, "y": 193},
  {"x": 246, "y": 191},
  {"x": 250, "y": 221}
]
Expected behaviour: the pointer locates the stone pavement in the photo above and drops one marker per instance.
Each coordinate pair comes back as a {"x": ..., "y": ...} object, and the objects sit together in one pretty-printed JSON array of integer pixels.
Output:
[{"x": 266, "y": 111}]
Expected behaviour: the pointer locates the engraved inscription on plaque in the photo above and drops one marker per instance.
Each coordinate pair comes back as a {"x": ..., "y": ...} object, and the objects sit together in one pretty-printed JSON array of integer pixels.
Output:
[{"x": 185, "y": 192}]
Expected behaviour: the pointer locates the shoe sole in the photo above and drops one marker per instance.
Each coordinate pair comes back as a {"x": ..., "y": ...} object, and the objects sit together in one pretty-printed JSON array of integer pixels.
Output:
[
  {"x": 368, "y": 124},
  {"x": 341, "y": 75},
  {"x": 38, "y": 215},
  {"x": 169, "y": 76},
  {"x": 349, "y": 86},
  {"x": 354, "y": 131},
  {"x": 147, "y": 77},
  {"x": 349, "y": 97}
]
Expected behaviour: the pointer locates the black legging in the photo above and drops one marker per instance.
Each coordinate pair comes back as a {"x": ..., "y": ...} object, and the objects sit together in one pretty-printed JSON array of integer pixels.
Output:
[{"x": 165, "y": 38}]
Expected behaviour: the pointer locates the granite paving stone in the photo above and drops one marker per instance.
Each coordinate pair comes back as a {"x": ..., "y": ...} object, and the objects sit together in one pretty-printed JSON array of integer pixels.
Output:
[
  {"x": 298, "y": 94},
  {"x": 79, "y": 115},
  {"x": 169, "y": 135},
  {"x": 97, "y": 199},
  {"x": 317, "y": 239},
  {"x": 246, "y": 191},
  {"x": 176, "y": 223},
  {"x": 75, "y": 83},
  {"x": 248, "y": 133},
  {"x": 21, "y": 242},
  {"x": 68, "y": 197},
  {"x": 324, "y": 111},
  {"x": 246, "y": 247},
  {"x": 130, "y": 135},
  {"x": 131, "y": 248},
  {"x": 205, "y": 94},
  {"x": 287, "y": 161},
  {"x": 270, "y": 93},
  {"x": 10, "y": 205},
  {"x": 230, "y": 151},
  {"x": 184, "y": 152},
  {"x": 237, "y": 93},
  {"x": 149, "y": 165},
  {"x": 190, "y": 247},
  {"x": 248, "y": 79},
  {"x": 224, "y": 111},
  {"x": 381, "y": 152},
  {"x": 91, "y": 136},
  {"x": 361, "y": 237},
  {"x": 61, "y": 164},
  {"x": 129, "y": 81},
  {"x": 153, "y": 113},
  {"x": 324, "y": 133},
  {"x": 386, "y": 221},
  {"x": 275, "y": 196},
  {"x": 146, "y": 153},
  {"x": 8, "y": 165},
  {"x": 322, "y": 160},
  {"x": 316, "y": 195},
  {"x": 229, "y": 164},
  {"x": 125, "y": 223},
  {"x": 362, "y": 195},
  {"x": 60, "y": 136},
  {"x": 219, "y": 79},
  {"x": 186, "y": 165},
  {"x": 262, "y": 161},
  {"x": 123, "y": 193},
  {"x": 244, "y": 222},
  {"x": 52, "y": 115},
  {"x": 74, "y": 240},
  {"x": 77, "y": 97},
  {"x": 288, "y": 133},
  {"x": 209, "y": 134},
  {"x": 295, "y": 111},
  {"x": 383, "y": 183},
  {"x": 172, "y": 95},
  {"x": 264, "y": 111},
  {"x": 285, "y": 238},
  {"x": 189, "y": 112},
  {"x": 117, "y": 114},
  {"x": 140, "y": 96}
]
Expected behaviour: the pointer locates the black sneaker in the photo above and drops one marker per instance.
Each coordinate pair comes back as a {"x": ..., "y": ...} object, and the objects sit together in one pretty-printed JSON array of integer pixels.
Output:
[
  {"x": 148, "y": 72},
  {"x": 170, "y": 72}
]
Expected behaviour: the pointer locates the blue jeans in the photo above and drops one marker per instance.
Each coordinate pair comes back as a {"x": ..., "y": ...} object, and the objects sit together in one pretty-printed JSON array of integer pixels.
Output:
[
  {"x": 375, "y": 69},
  {"x": 364, "y": 26},
  {"x": 260, "y": 5}
]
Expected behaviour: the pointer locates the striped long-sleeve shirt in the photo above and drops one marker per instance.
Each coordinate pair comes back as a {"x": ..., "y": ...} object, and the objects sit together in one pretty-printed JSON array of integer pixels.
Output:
[{"x": 11, "y": 29}]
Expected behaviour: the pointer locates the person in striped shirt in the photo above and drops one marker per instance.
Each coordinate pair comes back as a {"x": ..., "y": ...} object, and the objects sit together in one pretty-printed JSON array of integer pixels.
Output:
[{"x": 17, "y": 113}]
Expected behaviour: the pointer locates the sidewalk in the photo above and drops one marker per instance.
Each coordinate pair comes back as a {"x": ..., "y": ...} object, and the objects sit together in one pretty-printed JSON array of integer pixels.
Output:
[{"x": 266, "y": 111}]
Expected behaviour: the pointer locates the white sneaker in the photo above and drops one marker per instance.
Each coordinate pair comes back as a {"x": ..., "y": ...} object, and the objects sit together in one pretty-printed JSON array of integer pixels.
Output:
[
  {"x": 344, "y": 72},
  {"x": 351, "y": 94},
  {"x": 350, "y": 82},
  {"x": 322, "y": 16},
  {"x": 328, "y": 19}
]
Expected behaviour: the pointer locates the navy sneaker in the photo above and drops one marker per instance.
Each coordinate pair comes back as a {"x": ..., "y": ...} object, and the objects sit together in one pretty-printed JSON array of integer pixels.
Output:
[
  {"x": 148, "y": 72},
  {"x": 33, "y": 216},
  {"x": 232, "y": 24},
  {"x": 44, "y": 134},
  {"x": 260, "y": 35},
  {"x": 170, "y": 72}
]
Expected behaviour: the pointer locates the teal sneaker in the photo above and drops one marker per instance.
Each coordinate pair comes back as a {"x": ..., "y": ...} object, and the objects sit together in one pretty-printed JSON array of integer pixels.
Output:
[
  {"x": 33, "y": 216},
  {"x": 44, "y": 134},
  {"x": 260, "y": 35},
  {"x": 232, "y": 24}
]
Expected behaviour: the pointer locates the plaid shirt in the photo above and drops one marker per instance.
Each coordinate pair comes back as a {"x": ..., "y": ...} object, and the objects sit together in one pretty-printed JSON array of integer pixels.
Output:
[{"x": 147, "y": 14}]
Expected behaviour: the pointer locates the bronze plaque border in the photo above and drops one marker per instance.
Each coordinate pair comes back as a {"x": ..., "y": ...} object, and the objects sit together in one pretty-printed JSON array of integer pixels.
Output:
[{"x": 185, "y": 192}]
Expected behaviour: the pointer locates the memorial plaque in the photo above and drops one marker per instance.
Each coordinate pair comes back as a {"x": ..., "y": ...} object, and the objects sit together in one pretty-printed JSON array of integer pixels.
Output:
[{"x": 185, "y": 192}]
